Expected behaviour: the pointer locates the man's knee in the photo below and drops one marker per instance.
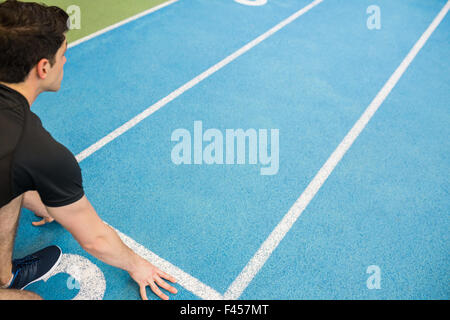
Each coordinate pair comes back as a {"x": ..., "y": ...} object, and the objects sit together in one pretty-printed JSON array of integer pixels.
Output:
[
  {"x": 11, "y": 294},
  {"x": 9, "y": 214},
  {"x": 12, "y": 209}
]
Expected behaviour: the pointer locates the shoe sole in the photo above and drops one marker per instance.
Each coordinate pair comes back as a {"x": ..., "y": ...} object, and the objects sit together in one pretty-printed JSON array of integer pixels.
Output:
[{"x": 48, "y": 272}]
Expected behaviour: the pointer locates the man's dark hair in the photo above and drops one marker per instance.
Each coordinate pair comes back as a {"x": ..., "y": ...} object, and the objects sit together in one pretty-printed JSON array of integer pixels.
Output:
[{"x": 29, "y": 32}]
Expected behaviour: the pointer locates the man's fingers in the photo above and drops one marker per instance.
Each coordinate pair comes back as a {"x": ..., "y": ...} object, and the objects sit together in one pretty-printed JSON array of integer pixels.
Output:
[
  {"x": 166, "y": 276},
  {"x": 165, "y": 285},
  {"x": 44, "y": 220},
  {"x": 157, "y": 291},
  {"x": 39, "y": 223},
  {"x": 143, "y": 293}
]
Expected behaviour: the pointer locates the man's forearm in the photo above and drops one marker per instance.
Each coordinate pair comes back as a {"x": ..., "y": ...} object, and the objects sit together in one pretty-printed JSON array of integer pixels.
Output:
[
  {"x": 104, "y": 244},
  {"x": 109, "y": 248},
  {"x": 100, "y": 240}
]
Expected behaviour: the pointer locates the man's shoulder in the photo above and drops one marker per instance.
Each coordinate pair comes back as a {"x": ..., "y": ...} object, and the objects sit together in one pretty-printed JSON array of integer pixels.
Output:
[
  {"x": 38, "y": 149},
  {"x": 11, "y": 128},
  {"x": 12, "y": 105},
  {"x": 13, "y": 113},
  {"x": 35, "y": 136}
]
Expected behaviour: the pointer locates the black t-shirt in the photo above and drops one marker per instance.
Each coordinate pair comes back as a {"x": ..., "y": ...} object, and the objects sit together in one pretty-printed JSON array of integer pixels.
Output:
[{"x": 31, "y": 159}]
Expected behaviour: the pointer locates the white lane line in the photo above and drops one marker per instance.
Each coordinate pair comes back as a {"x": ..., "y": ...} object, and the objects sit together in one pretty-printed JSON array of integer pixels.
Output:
[
  {"x": 264, "y": 252},
  {"x": 121, "y": 23},
  {"x": 187, "y": 281},
  {"x": 184, "y": 279},
  {"x": 161, "y": 103}
]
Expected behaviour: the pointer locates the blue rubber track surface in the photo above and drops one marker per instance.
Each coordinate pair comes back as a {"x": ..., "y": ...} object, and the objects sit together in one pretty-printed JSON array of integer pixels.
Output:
[{"x": 386, "y": 203}]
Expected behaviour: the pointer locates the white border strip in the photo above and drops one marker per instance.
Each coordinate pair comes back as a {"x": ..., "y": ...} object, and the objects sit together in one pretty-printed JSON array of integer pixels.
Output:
[
  {"x": 161, "y": 103},
  {"x": 186, "y": 280},
  {"x": 121, "y": 23},
  {"x": 262, "y": 255}
]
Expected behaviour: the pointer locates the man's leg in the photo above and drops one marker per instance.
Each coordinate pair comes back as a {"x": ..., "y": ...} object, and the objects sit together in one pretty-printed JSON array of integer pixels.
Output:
[
  {"x": 9, "y": 220},
  {"x": 11, "y": 294}
]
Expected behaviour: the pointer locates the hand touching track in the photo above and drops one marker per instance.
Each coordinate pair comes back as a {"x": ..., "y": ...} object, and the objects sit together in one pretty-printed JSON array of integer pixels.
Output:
[{"x": 146, "y": 274}]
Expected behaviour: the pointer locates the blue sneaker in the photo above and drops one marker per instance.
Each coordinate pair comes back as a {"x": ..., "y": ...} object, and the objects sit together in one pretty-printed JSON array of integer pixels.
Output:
[{"x": 34, "y": 267}]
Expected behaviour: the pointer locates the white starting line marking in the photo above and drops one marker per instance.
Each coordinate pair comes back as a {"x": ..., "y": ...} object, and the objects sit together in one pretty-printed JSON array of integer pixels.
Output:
[
  {"x": 187, "y": 281},
  {"x": 90, "y": 277},
  {"x": 264, "y": 252}
]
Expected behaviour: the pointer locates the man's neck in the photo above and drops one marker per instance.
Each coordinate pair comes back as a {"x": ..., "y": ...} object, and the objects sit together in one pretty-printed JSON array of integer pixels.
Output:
[{"x": 28, "y": 91}]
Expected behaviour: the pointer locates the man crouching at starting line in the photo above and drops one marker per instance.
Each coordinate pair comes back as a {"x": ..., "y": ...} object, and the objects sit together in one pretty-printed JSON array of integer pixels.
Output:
[{"x": 37, "y": 172}]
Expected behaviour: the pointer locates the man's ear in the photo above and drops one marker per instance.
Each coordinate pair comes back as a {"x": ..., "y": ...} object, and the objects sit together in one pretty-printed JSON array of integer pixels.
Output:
[{"x": 43, "y": 68}]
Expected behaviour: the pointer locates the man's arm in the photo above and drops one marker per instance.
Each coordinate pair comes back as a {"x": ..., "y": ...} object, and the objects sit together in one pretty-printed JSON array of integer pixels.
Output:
[
  {"x": 100, "y": 240},
  {"x": 32, "y": 201}
]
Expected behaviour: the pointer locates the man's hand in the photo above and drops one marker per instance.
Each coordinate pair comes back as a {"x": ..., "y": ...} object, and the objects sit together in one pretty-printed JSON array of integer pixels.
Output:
[
  {"x": 146, "y": 274},
  {"x": 45, "y": 220},
  {"x": 32, "y": 201}
]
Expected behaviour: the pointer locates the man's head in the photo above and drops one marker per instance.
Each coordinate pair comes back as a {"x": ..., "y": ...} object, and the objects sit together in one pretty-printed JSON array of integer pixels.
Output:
[{"x": 32, "y": 44}]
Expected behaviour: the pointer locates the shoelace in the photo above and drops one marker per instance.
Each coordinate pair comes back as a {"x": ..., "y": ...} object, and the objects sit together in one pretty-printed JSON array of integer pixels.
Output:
[{"x": 25, "y": 261}]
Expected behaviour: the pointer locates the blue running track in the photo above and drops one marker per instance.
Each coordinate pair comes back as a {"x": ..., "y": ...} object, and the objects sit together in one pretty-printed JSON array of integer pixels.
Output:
[{"x": 386, "y": 204}]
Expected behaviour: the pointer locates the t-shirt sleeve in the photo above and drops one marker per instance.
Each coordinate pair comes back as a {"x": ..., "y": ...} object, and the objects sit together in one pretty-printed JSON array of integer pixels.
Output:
[
  {"x": 58, "y": 178},
  {"x": 43, "y": 164},
  {"x": 51, "y": 170}
]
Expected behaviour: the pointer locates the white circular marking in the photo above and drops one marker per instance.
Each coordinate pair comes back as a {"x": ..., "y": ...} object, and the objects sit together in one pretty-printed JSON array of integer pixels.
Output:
[
  {"x": 252, "y": 2},
  {"x": 90, "y": 279}
]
